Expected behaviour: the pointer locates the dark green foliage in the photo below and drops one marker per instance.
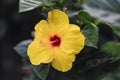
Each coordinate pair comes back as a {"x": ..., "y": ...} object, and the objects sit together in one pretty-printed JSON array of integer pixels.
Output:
[
  {"x": 26, "y": 5},
  {"x": 21, "y": 48},
  {"x": 85, "y": 17},
  {"x": 90, "y": 30},
  {"x": 112, "y": 48},
  {"x": 42, "y": 70},
  {"x": 107, "y": 12},
  {"x": 91, "y": 35}
]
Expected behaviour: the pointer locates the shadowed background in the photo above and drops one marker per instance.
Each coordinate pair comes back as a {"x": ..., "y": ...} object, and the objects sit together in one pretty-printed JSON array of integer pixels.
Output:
[{"x": 14, "y": 27}]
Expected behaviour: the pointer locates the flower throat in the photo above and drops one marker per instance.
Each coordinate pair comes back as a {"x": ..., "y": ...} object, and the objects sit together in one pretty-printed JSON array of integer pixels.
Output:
[{"x": 55, "y": 41}]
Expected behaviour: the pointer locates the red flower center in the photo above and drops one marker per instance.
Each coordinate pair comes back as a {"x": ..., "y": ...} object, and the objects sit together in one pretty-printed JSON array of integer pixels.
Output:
[{"x": 55, "y": 41}]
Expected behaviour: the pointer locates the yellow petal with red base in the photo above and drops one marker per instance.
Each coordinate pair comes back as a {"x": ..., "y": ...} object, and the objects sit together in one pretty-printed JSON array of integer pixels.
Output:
[
  {"x": 39, "y": 54},
  {"x": 58, "y": 21}
]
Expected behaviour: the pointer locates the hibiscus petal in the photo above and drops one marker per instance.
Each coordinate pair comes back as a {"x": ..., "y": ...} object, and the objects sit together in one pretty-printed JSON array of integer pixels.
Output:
[
  {"x": 62, "y": 61},
  {"x": 42, "y": 30},
  {"x": 73, "y": 40},
  {"x": 58, "y": 21},
  {"x": 39, "y": 54}
]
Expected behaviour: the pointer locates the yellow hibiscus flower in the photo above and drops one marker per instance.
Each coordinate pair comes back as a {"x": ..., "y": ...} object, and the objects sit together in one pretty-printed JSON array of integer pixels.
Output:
[{"x": 56, "y": 42}]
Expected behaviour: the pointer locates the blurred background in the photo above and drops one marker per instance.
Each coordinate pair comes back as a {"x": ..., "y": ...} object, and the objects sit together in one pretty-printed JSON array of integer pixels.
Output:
[
  {"x": 14, "y": 27},
  {"x": 91, "y": 64}
]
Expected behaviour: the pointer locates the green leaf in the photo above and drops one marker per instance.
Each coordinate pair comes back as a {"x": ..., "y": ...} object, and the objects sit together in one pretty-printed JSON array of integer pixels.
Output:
[
  {"x": 21, "y": 48},
  {"x": 90, "y": 30},
  {"x": 107, "y": 11},
  {"x": 85, "y": 16},
  {"x": 112, "y": 48},
  {"x": 26, "y": 5},
  {"x": 31, "y": 76},
  {"x": 91, "y": 35},
  {"x": 42, "y": 70}
]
